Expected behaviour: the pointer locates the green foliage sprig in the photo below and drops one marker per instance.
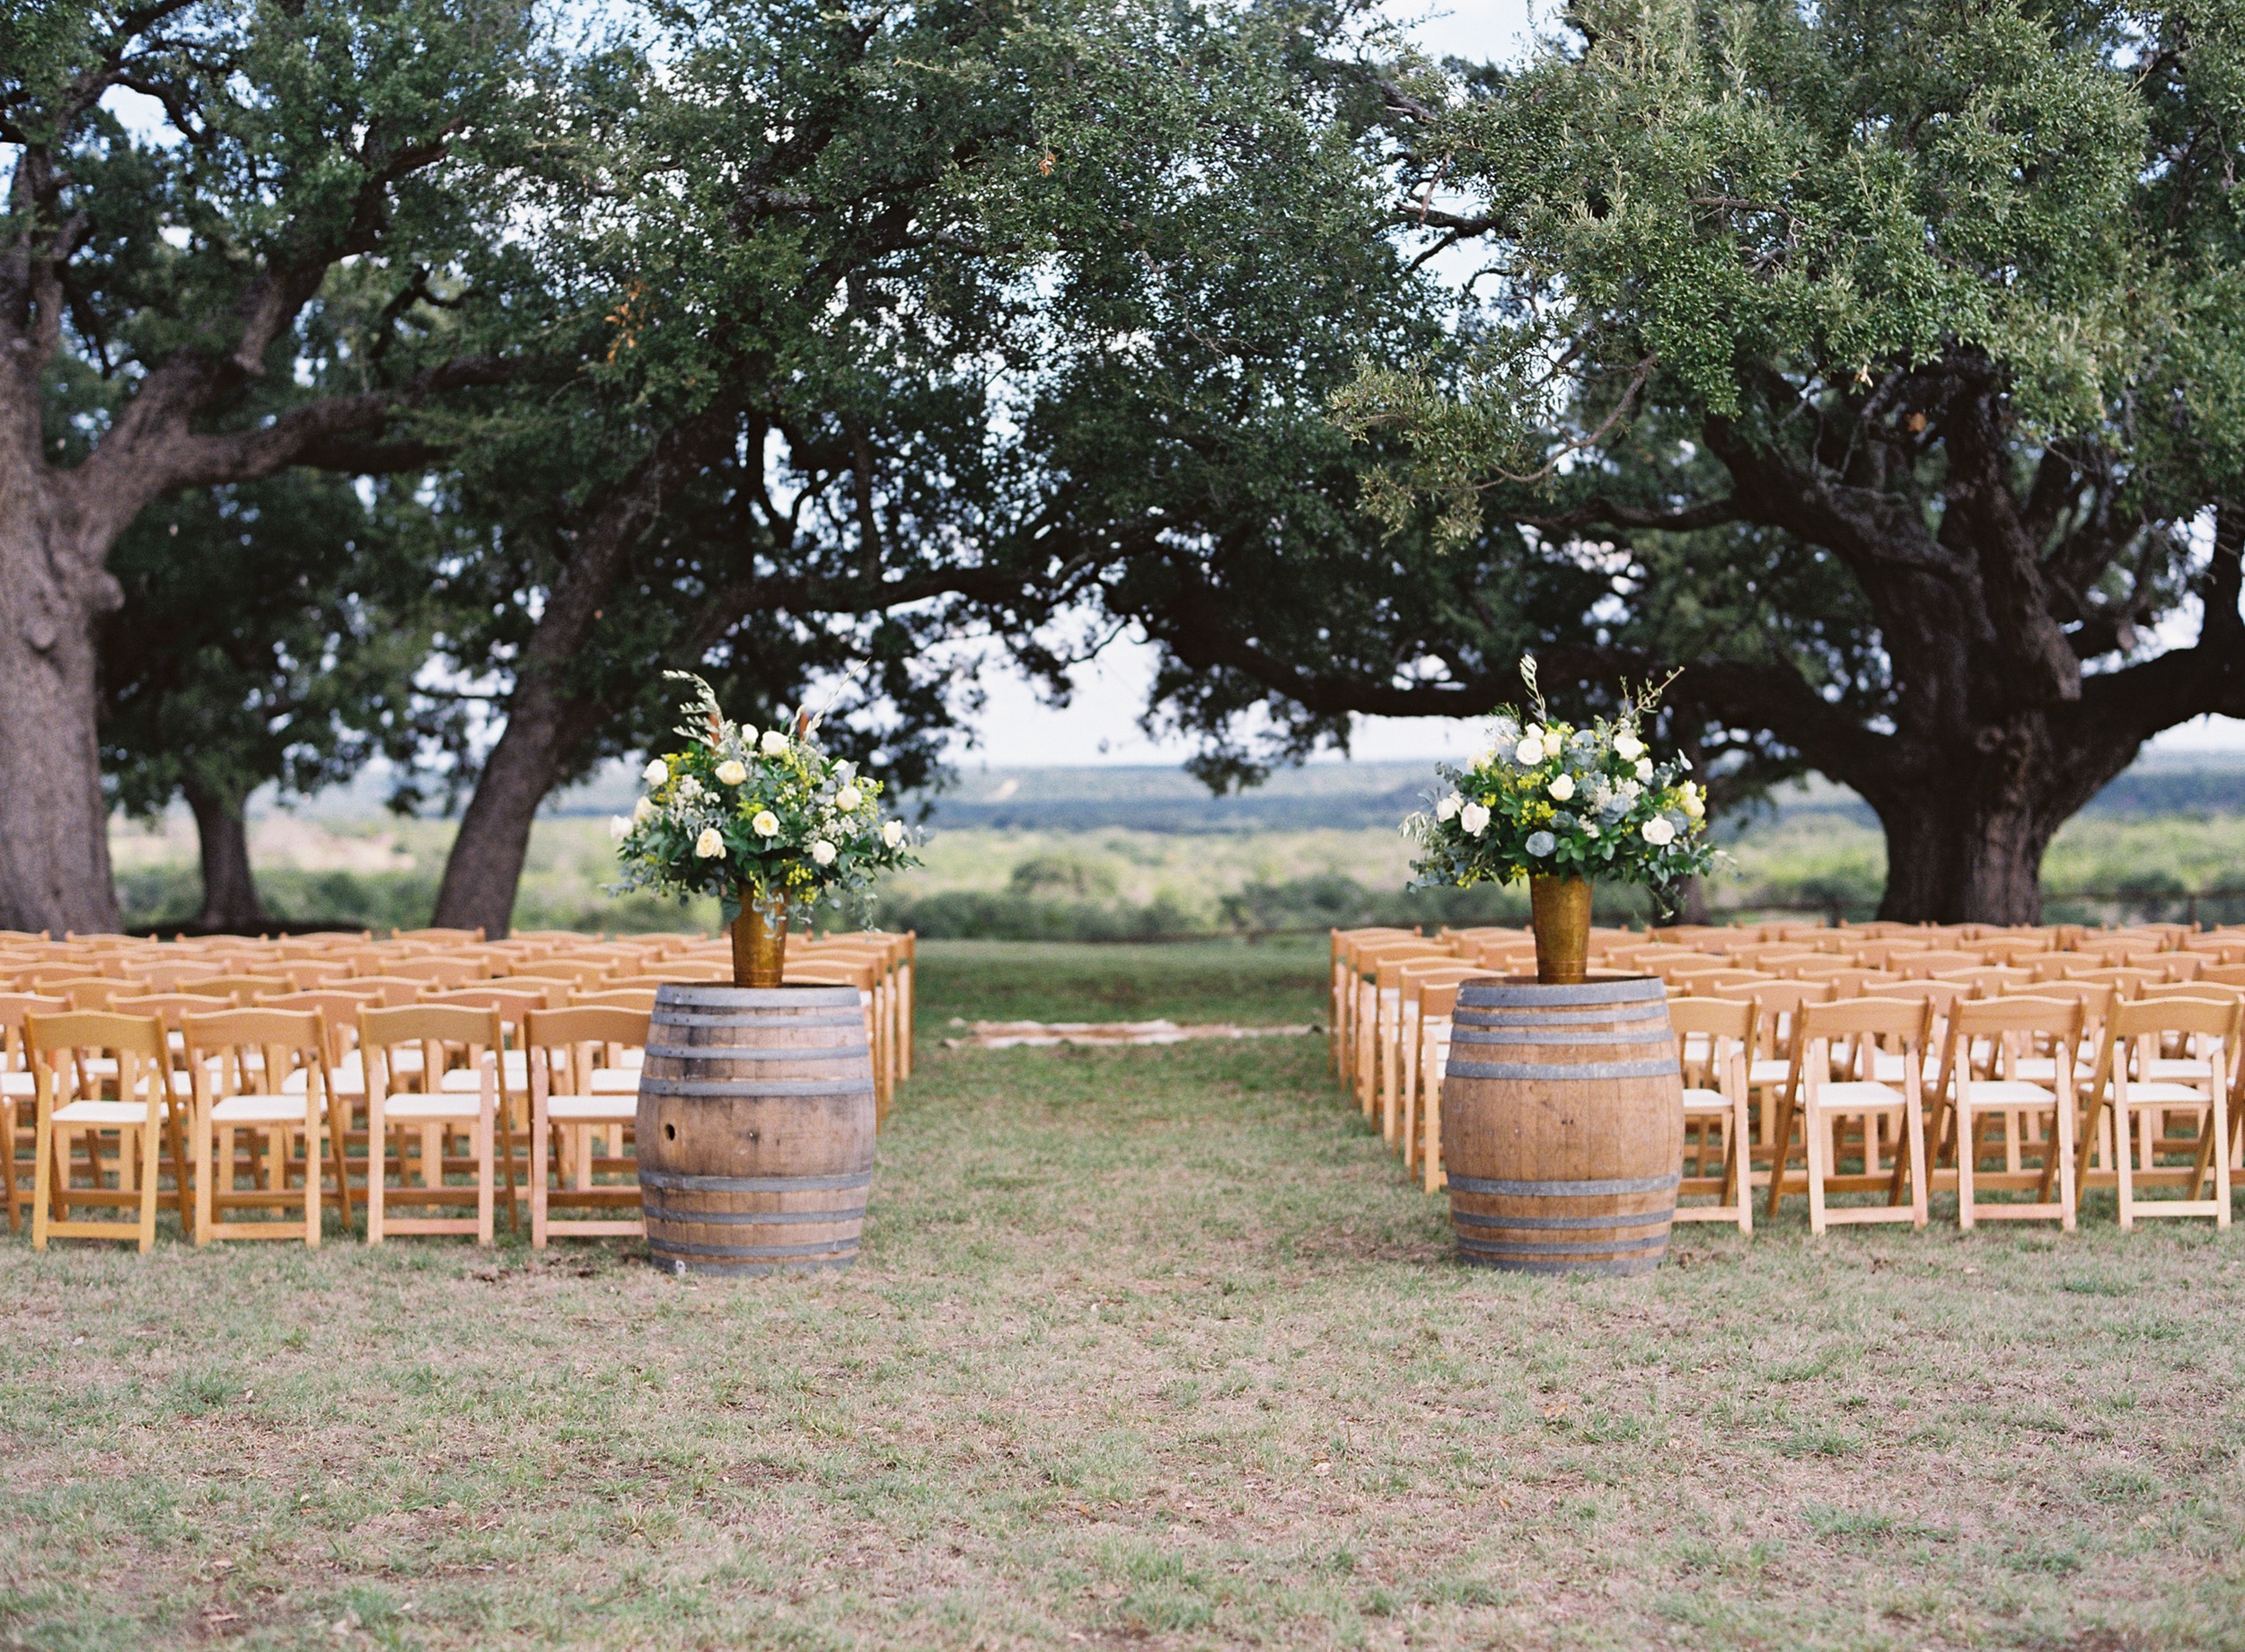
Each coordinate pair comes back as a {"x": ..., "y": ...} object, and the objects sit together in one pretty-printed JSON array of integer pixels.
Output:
[
  {"x": 1549, "y": 799},
  {"x": 766, "y": 817}
]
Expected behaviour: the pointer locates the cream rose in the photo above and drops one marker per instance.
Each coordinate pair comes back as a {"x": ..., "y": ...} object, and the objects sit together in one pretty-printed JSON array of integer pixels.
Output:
[
  {"x": 710, "y": 845},
  {"x": 655, "y": 772},
  {"x": 1629, "y": 748},
  {"x": 1657, "y": 833},
  {"x": 1528, "y": 753},
  {"x": 775, "y": 744},
  {"x": 1562, "y": 788},
  {"x": 1447, "y": 810},
  {"x": 823, "y": 852},
  {"x": 619, "y": 828},
  {"x": 766, "y": 824},
  {"x": 892, "y": 834},
  {"x": 732, "y": 771},
  {"x": 1475, "y": 818},
  {"x": 1644, "y": 768},
  {"x": 1695, "y": 805},
  {"x": 643, "y": 811},
  {"x": 848, "y": 799}
]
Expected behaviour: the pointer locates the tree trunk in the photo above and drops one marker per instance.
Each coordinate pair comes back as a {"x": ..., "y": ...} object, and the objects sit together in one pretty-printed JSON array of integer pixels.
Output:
[
  {"x": 54, "y": 823},
  {"x": 544, "y": 722},
  {"x": 485, "y": 867},
  {"x": 229, "y": 898},
  {"x": 1967, "y": 829}
]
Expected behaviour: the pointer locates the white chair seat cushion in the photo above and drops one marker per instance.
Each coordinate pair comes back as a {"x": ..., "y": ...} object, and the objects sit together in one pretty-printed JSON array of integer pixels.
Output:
[
  {"x": 1856, "y": 1097},
  {"x": 1887, "y": 1067},
  {"x": 438, "y": 1106},
  {"x": 615, "y": 1081},
  {"x": 347, "y": 1081},
  {"x": 463, "y": 1080},
  {"x": 24, "y": 1086},
  {"x": 258, "y": 1110},
  {"x": 2009, "y": 1092},
  {"x": 1769, "y": 1070},
  {"x": 591, "y": 1109},
  {"x": 1705, "y": 1101},
  {"x": 2181, "y": 1070},
  {"x": 631, "y": 1058},
  {"x": 2160, "y": 1094},
  {"x": 108, "y": 1113}
]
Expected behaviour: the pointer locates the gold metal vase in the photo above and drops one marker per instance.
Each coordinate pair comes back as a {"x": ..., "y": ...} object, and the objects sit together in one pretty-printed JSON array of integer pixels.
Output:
[
  {"x": 760, "y": 941},
  {"x": 1561, "y": 906}
]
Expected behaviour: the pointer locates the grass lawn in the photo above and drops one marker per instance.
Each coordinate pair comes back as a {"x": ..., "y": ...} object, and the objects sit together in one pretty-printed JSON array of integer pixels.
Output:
[{"x": 1149, "y": 1347}]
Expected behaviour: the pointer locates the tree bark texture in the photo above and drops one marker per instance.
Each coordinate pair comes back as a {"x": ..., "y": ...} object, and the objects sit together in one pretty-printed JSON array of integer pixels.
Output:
[
  {"x": 545, "y": 721},
  {"x": 230, "y": 897}
]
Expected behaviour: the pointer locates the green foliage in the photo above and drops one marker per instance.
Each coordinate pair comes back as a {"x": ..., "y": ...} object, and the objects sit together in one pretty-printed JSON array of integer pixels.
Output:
[{"x": 269, "y": 632}]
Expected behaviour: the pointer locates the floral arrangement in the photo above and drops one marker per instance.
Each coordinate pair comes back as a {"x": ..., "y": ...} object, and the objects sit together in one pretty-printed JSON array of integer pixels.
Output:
[
  {"x": 766, "y": 817},
  {"x": 1550, "y": 800}
]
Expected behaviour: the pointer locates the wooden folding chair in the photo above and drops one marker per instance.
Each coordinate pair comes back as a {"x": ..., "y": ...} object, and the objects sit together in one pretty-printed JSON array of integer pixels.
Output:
[
  {"x": 514, "y": 1002},
  {"x": 429, "y": 1115},
  {"x": 1374, "y": 1002},
  {"x": 1342, "y": 1012},
  {"x": 1862, "y": 1028},
  {"x": 1422, "y": 1119},
  {"x": 463, "y": 936},
  {"x": 243, "y": 989},
  {"x": 144, "y": 1112},
  {"x": 1980, "y": 1079},
  {"x": 1715, "y": 1037},
  {"x": 1769, "y": 1059},
  {"x": 570, "y": 1050},
  {"x": 614, "y": 998},
  {"x": 241, "y": 1061},
  {"x": 19, "y": 1099},
  {"x": 442, "y": 973},
  {"x": 1400, "y": 1076},
  {"x": 2140, "y": 1084}
]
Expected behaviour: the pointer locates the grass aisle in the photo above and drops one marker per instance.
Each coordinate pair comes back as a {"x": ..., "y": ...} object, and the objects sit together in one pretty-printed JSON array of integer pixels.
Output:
[{"x": 1148, "y": 1346}]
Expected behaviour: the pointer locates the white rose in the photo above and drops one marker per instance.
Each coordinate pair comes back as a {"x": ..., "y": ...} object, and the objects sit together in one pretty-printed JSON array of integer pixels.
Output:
[
  {"x": 1657, "y": 833},
  {"x": 1644, "y": 768},
  {"x": 848, "y": 799},
  {"x": 775, "y": 744},
  {"x": 1528, "y": 753},
  {"x": 1562, "y": 788},
  {"x": 845, "y": 772},
  {"x": 892, "y": 834},
  {"x": 643, "y": 811},
  {"x": 823, "y": 852},
  {"x": 710, "y": 845},
  {"x": 1693, "y": 805},
  {"x": 1629, "y": 748},
  {"x": 766, "y": 824},
  {"x": 1474, "y": 818},
  {"x": 732, "y": 771},
  {"x": 1449, "y": 807},
  {"x": 619, "y": 828},
  {"x": 655, "y": 772}
]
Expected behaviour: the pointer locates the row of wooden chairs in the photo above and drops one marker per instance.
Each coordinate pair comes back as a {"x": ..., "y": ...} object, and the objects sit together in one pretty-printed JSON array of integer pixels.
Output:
[
  {"x": 1755, "y": 1074},
  {"x": 447, "y": 1072}
]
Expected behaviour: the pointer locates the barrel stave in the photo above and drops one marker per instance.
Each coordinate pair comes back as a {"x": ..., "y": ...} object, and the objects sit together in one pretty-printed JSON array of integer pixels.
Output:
[
  {"x": 756, "y": 1129},
  {"x": 1563, "y": 1126}
]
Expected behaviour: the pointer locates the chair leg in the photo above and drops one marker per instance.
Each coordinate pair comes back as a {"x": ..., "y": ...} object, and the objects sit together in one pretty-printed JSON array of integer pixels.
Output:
[
  {"x": 1967, "y": 1157},
  {"x": 1914, "y": 1128},
  {"x": 1736, "y": 1159},
  {"x": 2123, "y": 1162},
  {"x": 538, "y": 1137},
  {"x": 2062, "y": 1126},
  {"x": 1819, "y": 1142}
]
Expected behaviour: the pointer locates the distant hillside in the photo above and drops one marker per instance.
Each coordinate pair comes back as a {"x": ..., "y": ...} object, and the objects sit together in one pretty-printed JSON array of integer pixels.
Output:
[{"x": 1352, "y": 797}]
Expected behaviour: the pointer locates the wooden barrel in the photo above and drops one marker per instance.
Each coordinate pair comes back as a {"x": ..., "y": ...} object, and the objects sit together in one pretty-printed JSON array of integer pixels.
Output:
[
  {"x": 755, "y": 1128},
  {"x": 1563, "y": 1125}
]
